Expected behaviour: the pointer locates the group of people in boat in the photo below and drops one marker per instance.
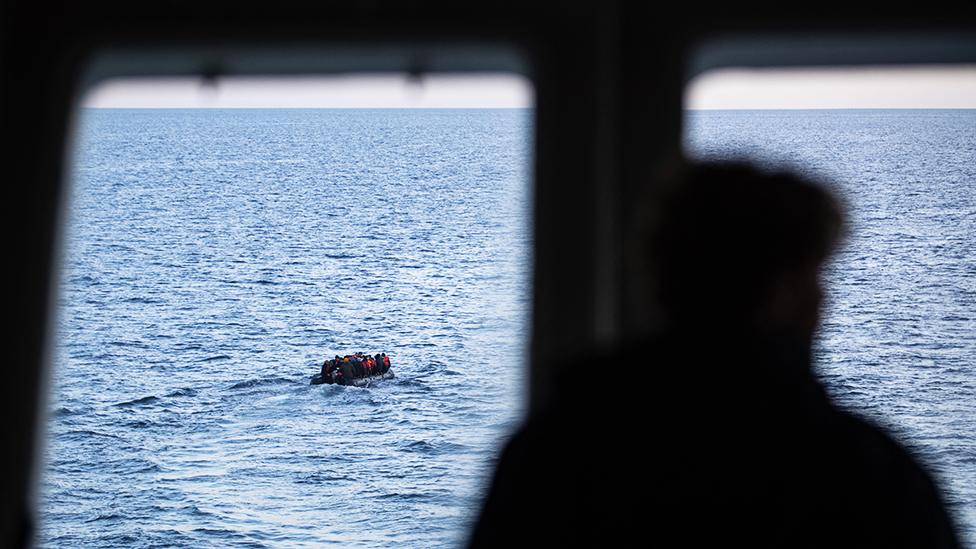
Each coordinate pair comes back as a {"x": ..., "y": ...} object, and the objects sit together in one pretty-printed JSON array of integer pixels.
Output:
[{"x": 354, "y": 366}]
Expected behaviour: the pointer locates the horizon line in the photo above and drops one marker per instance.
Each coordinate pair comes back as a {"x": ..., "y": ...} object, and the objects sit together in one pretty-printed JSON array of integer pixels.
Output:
[{"x": 462, "y": 107}]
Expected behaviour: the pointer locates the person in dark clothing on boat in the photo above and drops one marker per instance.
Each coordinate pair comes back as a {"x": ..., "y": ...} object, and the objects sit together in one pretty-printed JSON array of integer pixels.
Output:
[
  {"x": 723, "y": 436},
  {"x": 346, "y": 369}
]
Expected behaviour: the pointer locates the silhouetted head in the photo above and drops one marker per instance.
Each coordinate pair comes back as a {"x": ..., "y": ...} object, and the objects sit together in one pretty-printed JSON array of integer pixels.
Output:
[{"x": 739, "y": 249}]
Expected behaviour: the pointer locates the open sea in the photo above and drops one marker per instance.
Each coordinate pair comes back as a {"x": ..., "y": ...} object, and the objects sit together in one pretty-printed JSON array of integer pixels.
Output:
[{"x": 213, "y": 258}]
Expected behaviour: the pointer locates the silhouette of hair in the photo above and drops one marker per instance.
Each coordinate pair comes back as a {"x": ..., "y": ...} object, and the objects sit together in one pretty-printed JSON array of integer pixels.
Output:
[{"x": 728, "y": 231}]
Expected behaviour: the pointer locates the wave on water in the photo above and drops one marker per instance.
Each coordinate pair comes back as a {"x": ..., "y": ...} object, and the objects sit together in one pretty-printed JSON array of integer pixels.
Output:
[
  {"x": 275, "y": 380},
  {"x": 108, "y": 517},
  {"x": 321, "y": 478},
  {"x": 142, "y": 300},
  {"x": 63, "y": 411},
  {"x": 86, "y": 433},
  {"x": 431, "y": 448},
  {"x": 138, "y": 402},
  {"x": 405, "y": 496},
  {"x": 411, "y": 383}
]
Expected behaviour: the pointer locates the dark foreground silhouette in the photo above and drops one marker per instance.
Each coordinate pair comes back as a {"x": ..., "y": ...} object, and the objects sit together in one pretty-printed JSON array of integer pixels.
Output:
[{"x": 721, "y": 435}]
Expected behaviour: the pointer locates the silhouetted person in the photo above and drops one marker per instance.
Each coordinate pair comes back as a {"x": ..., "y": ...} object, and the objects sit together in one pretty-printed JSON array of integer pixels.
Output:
[
  {"x": 722, "y": 436},
  {"x": 348, "y": 374}
]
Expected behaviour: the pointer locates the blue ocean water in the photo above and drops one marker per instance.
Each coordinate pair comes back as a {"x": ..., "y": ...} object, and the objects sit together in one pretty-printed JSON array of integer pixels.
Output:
[
  {"x": 898, "y": 337},
  {"x": 213, "y": 258}
]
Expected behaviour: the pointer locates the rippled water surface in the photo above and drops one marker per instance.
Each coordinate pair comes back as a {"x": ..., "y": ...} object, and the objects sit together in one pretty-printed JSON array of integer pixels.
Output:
[
  {"x": 214, "y": 258},
  {"x": 898, "y": 342}
]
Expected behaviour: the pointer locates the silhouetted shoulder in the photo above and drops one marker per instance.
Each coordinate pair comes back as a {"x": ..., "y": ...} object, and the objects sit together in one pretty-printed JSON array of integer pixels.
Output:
[
  {"x": 532, "y": 500},
  {"x": 889, "y": 488},
  {"x": 668, "y": 462}
]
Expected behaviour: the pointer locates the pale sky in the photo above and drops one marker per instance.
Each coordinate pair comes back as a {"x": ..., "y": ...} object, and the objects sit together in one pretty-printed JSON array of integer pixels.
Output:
[
  {"x": 837, "y": 88},
  {"x": 361, "y": 91}
]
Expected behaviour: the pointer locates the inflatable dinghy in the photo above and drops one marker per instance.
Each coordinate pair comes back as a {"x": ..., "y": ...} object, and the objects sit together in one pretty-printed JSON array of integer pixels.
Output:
[
  {"x": 319, "y": 379},
  {"x": 356, "y": 369}
]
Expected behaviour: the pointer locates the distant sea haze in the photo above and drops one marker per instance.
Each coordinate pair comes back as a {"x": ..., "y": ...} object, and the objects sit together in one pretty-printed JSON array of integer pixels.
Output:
[{"x": 214, "y": 258}]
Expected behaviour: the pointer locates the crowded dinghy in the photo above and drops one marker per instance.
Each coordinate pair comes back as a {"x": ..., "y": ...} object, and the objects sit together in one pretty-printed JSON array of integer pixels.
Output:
[{"x": 356, "y": 369}]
